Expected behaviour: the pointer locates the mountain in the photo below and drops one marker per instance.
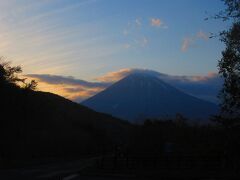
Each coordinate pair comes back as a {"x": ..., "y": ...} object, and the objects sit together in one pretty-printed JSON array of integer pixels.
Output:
[
  {"x": 143, "y": 95},
  {"x": 203, "y": 87}
]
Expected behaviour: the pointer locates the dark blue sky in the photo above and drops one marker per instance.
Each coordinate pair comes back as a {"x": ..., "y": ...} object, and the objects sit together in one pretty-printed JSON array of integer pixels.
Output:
[{"x": 88, "y": 38}]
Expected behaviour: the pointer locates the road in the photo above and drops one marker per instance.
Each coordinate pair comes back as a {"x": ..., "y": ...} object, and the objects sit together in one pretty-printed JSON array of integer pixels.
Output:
[
  {"x": 84, "y": 169},
  {"x": 59, "y": 171}
]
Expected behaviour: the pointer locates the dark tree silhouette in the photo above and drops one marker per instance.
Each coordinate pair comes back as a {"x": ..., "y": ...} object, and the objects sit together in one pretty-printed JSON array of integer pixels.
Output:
[
  {"x": 9, "y": 76},
  {"x": 232, "y": 11},
  {"x": 229, "y": 65}
]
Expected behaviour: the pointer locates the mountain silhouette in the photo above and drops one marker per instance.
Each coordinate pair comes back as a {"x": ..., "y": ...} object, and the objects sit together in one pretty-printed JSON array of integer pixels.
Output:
[
  {"x": 40, "y": 125},
  {"x": 142, "y": 95}
]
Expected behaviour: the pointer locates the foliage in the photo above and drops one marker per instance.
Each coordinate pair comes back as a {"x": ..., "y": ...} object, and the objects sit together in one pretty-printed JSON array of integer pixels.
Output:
[
  {"x": 9, "y": 76},
  {"x": 229, "y": 65},
  {"x": 232, "y": 11}
]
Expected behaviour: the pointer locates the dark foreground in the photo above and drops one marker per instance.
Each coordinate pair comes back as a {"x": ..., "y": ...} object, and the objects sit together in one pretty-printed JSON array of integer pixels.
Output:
[{"x": 122, "y": 168}]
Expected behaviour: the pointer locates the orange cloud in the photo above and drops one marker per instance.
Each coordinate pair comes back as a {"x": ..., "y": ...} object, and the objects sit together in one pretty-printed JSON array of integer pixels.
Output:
[
  {"x": 76, "y": 90},
  {"x": 115, "y": 76},
  {"x": 156, "y": 22},
  {"x": 189, "y": 41},
  {"x": 204, "y": 78},
  {"x": 75, "y": 93}
]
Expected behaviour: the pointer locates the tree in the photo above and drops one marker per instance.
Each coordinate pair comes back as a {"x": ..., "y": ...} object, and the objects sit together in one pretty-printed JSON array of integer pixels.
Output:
[
  {"x": 9, "y": 77},
  {"x": 8, "y": 74},
  {"x": 229, "y": 64}
]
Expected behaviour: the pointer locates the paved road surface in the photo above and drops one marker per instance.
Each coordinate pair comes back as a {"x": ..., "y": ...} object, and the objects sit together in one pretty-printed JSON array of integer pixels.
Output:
[{"x": 58, "y": 171}]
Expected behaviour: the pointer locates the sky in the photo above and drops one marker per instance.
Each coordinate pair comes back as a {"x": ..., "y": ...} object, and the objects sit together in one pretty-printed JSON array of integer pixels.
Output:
[{"x": 87, "y": 39}]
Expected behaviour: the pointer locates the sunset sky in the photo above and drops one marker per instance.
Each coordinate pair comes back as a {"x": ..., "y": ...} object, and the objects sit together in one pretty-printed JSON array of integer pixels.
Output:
[{"x": 87, "y": 39}]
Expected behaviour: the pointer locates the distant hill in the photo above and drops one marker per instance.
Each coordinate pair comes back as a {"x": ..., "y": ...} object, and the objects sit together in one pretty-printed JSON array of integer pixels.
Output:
[
  {"x": 39, "y": 124},
  {"x": 143, "y": 95}
]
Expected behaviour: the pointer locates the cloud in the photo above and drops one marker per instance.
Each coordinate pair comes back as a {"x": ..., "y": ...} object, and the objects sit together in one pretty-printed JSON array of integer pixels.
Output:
[
  {"x": 156, "y": 22},
  {"x": 202, "y": 35},
  {"x": 190, "y": 41},
  {"x": 191, "y": 79},
  {"x": 36, "y": 36},
  {"x": 117, "y": 75},
  {"x": 114, "y": 76},
  {"x": 56, "y": 79},
  {"x": 137, "y": 42},
  {"x": 209, "y": 76},
  {"x": 187, "y": 42},
  {"x": 68, "y": 87},
  {"x": 136, "y": 37}
]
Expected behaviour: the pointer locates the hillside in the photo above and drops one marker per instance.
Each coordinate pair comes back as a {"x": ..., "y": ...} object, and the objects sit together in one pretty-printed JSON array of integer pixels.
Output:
[{"x": 39, "y": 124}]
